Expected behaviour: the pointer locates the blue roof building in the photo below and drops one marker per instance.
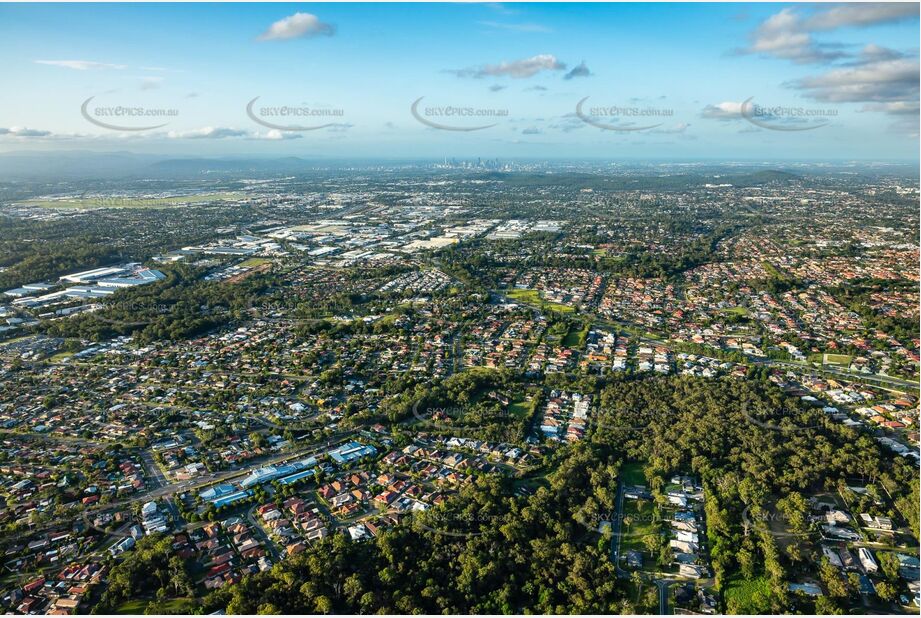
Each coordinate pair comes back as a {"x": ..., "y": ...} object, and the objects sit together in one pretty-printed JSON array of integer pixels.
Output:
[
  {"x": 232, "y": 498},
  {"x": 212, "y": 493},
  {"x": 350, "y": 451}
]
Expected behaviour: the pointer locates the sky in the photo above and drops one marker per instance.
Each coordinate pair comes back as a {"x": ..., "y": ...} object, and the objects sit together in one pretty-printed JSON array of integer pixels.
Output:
[{"x": 721, "y": 81}]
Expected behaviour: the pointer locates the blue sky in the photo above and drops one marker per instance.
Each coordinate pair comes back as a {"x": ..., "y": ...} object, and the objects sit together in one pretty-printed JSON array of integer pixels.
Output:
[{"x": 662, "y": 80}]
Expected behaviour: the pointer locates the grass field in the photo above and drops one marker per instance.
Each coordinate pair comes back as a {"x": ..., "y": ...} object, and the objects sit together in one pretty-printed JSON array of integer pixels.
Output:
[
  {"x": 740, "y": 311},
  {"x": 254, "y": 261},
  {"x": 742, "y": 595},
  {"x": 102, "y": 201},
  {"x": 532, "y": 297},
  {"x": 525, "y": 296},
  {"x": 632, "y": 474},
  {"x": 138, "y": 606},
  {"x": 574, "y": 336},
  {"x": 772, "y": 270},
  {"x": 842, "y": 360},
  {"x": 520, "y": 409},
  {"x": 638, "y": 523}
]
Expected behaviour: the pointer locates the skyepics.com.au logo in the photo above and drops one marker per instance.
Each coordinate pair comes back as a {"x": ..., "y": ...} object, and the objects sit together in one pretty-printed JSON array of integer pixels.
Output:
[
  {"x": 141, "y": 312},
  {"x": 782, "y": 419},
  {"x": 88, "y": 199},
  {"x": 126, "y": 117},
  {"x": 298, "y": 117},
  {"x": 455, "y": 525},
  {"x": 600, "y": 116},
  {"x": 785, "y": 117},
  {"x": 775, "y": 523},
  {"x": 618, "y": 421},
  {"x": 277, "y": 312},
  {"x": 132, "y": 313},
  {"x": 456, "y": 418},
  {"x": 623, "y": 525},
  {"x": 456, "y": 117}
]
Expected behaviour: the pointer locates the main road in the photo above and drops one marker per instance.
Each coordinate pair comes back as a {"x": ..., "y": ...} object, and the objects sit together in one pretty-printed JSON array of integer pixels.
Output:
[
  {"x": 895, "y": 383},
  {"x": 663, "y": 585},
  {"x": 616, "y": 534},
  {"x": 171, "y": 489}
]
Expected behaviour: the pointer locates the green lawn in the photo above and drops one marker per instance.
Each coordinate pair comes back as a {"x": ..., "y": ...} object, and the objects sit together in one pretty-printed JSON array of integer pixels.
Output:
[
  {"x": 136, "y": 606},
  {"x": 638, "y": 523},
  {"x": 632, "y": 473},
  {"x": 130, "y": 202},
  {"x": 772, "y": 270},
  {"x": 179, "y": 605},
  {"x": 255, "y": 261},
  {"x": 558, "y": 307},
  {"x": 836, "y": 359},
  {"x": 575, "y": 334},
  {"x": 743, "y": 595},
  {"x": 520, "y": 409},
  {"x": 532, "y": 297},
  {"x": 525, "y": 296},
  {"x": 740, "y": 311}
]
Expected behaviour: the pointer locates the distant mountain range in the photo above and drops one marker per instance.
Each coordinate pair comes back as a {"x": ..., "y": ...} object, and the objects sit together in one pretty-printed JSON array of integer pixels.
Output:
[
  {"x": 640, "y": 180},
  {"x": 115, "y": 166},
  {"x": 68, "y": 165}
]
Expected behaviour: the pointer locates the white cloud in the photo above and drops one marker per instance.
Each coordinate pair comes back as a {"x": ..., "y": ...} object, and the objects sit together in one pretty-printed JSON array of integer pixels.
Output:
[
  {"x": 276, "y": 135},
  {"x": 207, "y": 133},
  {"x": 523, "y": 27},
  {"x": 518, "y": 69},
  {"x": 500, "y": 8},
  {"x": 272, "y": 135},
  {"x": 861, "y": 14},
  {"x": 788, "y": 34},
  {"x": 151, "y": 83},
  {"x": 783, "y": 35},
  {"x": 80, "y": 65},
  {"x": 882, "y": 79},
  {"x": 578, "y": 71},
  {"x": 297, "y": 26},
  {"x": 727, "y": 110},
  {"x": 890, "y": 80},
  {"x": 24, "y": 132},
  {"x": 681, "y": 127}
]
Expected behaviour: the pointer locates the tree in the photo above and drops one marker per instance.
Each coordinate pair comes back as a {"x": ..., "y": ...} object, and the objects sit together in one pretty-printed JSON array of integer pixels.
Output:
[
  {"x": 795, "y": 509},
  {"x": 886, "y": 591},
  {"x": 825, "y": 606},
  {"x": 889, "y": 563},
  {"x": 257, "y": 439},
  {"x": 830, "y": 577},
  {"x": 637, "y": 580},
  {"x": 324, "y": 605}
]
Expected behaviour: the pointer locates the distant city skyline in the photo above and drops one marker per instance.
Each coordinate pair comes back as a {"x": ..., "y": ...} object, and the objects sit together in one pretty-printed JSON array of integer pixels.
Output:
[{"x": 373, "y": 81}]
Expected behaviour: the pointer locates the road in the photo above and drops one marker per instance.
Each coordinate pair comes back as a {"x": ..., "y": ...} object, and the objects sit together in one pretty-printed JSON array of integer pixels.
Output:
[
  {"x": 663, "y": 585},
  {"x": 171, "y": 489},
  {"x": 616, "y": 526},
  {"x": 895, "y": 383},
  {"x": 153, "y": 470},
  {"x": 259, "y": 531}
]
